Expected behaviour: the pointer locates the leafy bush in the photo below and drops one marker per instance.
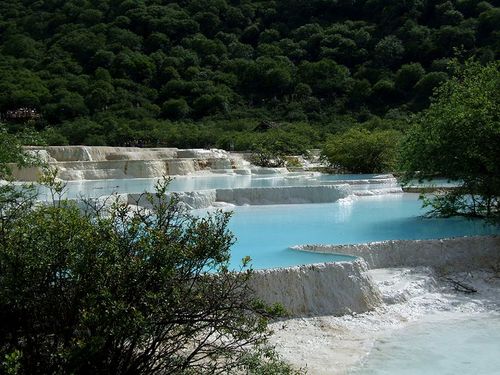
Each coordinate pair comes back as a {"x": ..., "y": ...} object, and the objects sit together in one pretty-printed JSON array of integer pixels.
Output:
[
  {"x": 264, "y": 157},
  {"x": 362, "y": 151},
  {"x": 120, "y": 291},
  {"x": 11, "y": 151}
]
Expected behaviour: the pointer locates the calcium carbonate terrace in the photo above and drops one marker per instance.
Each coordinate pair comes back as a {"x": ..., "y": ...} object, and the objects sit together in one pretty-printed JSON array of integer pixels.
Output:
[{"x": 274, "y": 213}]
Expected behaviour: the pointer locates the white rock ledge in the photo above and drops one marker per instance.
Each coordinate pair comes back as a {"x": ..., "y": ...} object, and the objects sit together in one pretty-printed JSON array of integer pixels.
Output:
[
  {"x": 346, "y": 287},
  {"x": 96, "y": 162},
  {"x": 319, "y": 289},
  {"x": 459, "y": 253},
  {"x": 284, "y": 195},
  {"x": 191, "y": 199}
]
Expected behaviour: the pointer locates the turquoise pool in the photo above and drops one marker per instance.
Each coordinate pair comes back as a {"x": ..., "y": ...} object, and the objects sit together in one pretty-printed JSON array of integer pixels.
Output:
[{"x": 265, "y": 233}]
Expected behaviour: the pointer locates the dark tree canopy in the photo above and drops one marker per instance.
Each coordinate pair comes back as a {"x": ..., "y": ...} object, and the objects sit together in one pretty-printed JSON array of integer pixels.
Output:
[{"x": 120, "y": 62}]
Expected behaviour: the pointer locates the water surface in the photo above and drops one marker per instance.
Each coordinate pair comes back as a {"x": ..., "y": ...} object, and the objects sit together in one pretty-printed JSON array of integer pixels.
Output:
[{"x": 266, "y": 232}]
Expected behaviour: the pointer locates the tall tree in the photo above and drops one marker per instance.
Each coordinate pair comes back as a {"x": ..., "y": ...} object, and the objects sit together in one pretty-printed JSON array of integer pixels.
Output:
[{"x": 458, "y": 137}]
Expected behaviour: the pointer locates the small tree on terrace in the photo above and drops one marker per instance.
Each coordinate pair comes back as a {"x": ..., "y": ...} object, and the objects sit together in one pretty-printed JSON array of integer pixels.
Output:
[
  {"x": 362, "y": 151},
  {"x": 458, "y": 137}
]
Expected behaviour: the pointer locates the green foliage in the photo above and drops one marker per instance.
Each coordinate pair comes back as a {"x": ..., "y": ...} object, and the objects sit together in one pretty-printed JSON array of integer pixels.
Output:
[
  {"x": 325, "y": 77},
  {"x": 111, "y": 290},
  {"x": 408, "y": 75},
  {"x": 266, "y": 362},
  {"x": 20, "y": 87},
  {"x": 12, "y": 363},
  {"x": 389, "y": 50},
  {"x": 175, "y": 61},
  {"x": 11, "y": 151},
  {"x": 176, "y": 108},
  {"x": 265, "y": 157},
  {"x": 362, "y": 151},
  {"x": 458, "y": 137},
  {"x": 425, "y": 87},
  {"x": 271, "y": 147}
]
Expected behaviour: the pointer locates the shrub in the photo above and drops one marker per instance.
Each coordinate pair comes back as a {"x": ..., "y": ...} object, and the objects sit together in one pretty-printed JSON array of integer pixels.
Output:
[
  {"x": 121, "y": 291},
  {"x": 361, "y": 151}
]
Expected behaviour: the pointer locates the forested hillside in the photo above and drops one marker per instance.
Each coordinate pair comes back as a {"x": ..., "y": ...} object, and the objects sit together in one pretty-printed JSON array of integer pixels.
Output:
[{"x": 203, "y": 72}]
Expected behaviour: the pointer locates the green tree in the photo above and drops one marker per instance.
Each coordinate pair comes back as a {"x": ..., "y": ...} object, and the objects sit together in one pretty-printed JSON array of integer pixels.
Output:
[
  {"x": 68, "y": 106},
  {"x": 209, "y": 22},
  {"x": 383, "y": 92},
  {"x": 362, "y": 151},
  {"x": 325, "y": 77},
  {"x": 348, "y": 54},
  {"x": 425, "y": 87},
  {"x": 20, "y": 87},
  {"x": 448, "y": 38},
  {"x": 389, "y": 50},
  {"x": 83, "y": 44},
  {"x": 408, "y": 75},
  {"x": 22, "y": 46},
  {"x": 134, "y": 65},
  {"x": 11, "y": 152},
  {"x": 458, "y": 137},
  {"x": 302, "y": 92},
  {"x": 176, "y": 108}
]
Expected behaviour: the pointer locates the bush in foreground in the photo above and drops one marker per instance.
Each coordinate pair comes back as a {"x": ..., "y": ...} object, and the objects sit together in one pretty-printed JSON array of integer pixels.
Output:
[{"x": 116, "y": 291}]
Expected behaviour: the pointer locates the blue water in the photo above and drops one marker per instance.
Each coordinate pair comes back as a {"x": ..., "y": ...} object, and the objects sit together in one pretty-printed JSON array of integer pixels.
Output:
[
  {"x": 265, "y": 233},
  {"x": 96, "y": 188}
]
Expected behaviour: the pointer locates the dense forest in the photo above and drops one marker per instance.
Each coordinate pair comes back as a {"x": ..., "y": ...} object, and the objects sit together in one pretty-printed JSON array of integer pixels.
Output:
[{"x": 203, "y": 73}]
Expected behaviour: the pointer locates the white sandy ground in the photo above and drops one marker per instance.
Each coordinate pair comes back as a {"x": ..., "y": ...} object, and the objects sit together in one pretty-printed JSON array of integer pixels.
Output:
[{"x": 338, "y": 345}]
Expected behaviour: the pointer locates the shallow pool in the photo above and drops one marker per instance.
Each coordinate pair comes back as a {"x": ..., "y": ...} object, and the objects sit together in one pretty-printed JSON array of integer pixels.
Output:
[
  {"x": 467, "y": 344},
  {"x": 266, "y": 232},
  {"x": 96, "y": 188}
]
